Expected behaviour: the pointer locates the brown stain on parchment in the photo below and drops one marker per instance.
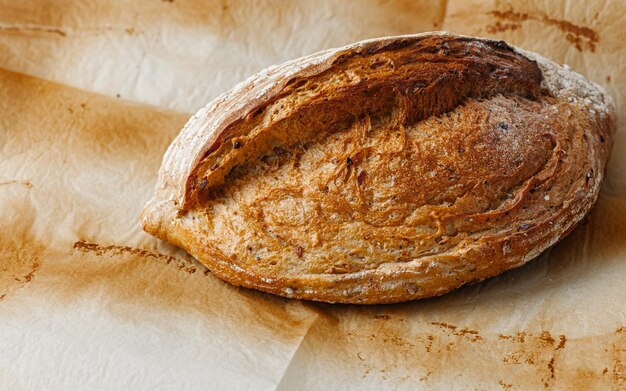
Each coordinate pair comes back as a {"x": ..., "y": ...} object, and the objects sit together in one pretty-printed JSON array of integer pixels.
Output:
[
  {"x": 64, "y": 32},
  {"x": 470, "y": 334},
  {"x": 582, "y": 37},
  {"x": 22, "y": 182},
  {"x": 116, "y": 250},
  {"x": 19, "y": 260},
  {"x": 33, "y": 29},
  {"x": 20, "y": 251},
  {"x": 129, "y": 275},
  {"x": 19, "y": 263},
  {"x": 531, "y": 345},
  {"x": 437, "y": 352},
  {"x": 121, "y": 133},
  {"x": 618, "y": 372},
  {"x": 505, "y": 386},
  {"x": 97, "y": 130}
]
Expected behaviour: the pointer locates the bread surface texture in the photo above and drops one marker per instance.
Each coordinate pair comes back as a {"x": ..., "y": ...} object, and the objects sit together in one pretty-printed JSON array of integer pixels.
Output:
[{"x": 388, "y": 170}]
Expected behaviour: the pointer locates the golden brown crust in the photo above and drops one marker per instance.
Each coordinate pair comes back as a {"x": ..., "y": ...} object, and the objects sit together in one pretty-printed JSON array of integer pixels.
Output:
[{"x": 389, "y": 170}]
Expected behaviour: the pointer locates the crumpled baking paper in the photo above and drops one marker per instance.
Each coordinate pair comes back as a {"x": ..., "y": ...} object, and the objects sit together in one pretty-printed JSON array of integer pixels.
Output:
[{"x": 87, "y": 300}]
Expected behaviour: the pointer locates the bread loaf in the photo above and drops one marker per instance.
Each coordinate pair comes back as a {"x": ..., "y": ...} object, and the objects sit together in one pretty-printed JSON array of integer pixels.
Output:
[{"x": 388, "y": 170}]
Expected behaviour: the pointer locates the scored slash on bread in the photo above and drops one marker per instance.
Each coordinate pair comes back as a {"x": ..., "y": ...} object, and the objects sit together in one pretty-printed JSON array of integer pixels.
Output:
[{"x": 388, "y": 170}]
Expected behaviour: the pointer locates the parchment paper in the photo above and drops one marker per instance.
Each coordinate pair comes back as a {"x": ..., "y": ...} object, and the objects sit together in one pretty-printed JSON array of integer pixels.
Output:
[{"x": 89, "y": 301}]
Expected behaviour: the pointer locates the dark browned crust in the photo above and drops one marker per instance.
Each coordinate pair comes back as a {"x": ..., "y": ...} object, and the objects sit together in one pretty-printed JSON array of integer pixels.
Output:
[{"x": 431, "y": 74}]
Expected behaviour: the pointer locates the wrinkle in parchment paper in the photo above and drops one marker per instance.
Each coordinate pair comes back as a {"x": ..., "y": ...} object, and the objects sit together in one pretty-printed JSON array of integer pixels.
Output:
[{"x": 108, "y": 306}]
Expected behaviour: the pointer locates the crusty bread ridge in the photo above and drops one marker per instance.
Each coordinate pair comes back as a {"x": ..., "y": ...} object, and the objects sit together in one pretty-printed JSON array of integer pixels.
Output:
[{"x": 388, "y": 170}]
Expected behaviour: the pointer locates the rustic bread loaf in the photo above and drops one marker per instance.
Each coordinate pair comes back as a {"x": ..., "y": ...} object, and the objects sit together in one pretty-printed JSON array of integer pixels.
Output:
[{"x": 388, "y": 170}]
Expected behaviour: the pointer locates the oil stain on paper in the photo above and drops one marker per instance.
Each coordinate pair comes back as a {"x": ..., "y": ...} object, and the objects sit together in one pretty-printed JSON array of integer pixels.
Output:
[
  {"x": 19, "y": 252},
  {"x": 582, "y": 38},
  {"x": 437, "y": 352}
]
